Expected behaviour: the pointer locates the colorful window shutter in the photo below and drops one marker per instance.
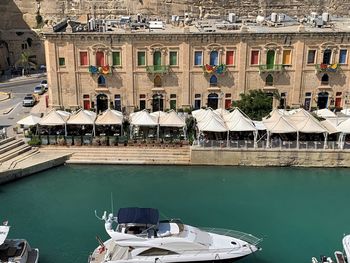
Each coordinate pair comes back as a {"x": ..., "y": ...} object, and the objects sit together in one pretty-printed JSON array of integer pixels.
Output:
[
  {"x": 83, "y": 58},
  {"x": 198, "y": 58},
  {"x": 100, "y": 59},
  {"x": 342, "y": 56},
  {"x": 287, "y": 57},
  {"x": 254, "y": 57},
  {"x": 173, "y": 58},
  {"x": 229, "y": 58},
  {"x": 116, "y": 58},
  {"x": 214, "y": 58},
  {"x": 141, "y": 58}
]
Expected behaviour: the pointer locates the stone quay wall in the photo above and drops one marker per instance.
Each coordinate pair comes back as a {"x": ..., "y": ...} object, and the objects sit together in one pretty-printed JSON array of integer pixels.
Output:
[{"x": 302, "y": 158}]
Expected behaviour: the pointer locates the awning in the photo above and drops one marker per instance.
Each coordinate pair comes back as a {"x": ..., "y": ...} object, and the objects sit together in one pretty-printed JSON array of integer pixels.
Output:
[
  {"x": 29, "y": 120},
  {"x": 138, "y": 215}
]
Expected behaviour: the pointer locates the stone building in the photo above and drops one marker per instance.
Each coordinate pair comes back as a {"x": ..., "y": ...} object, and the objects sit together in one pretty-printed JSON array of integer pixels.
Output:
[{"x": 183, "y": 67}]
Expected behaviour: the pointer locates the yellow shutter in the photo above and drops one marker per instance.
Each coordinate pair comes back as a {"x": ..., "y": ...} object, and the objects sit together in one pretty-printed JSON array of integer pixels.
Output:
[{"x": 287, "y": 57}]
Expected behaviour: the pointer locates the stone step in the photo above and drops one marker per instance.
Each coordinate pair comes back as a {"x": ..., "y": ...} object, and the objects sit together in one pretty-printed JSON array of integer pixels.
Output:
[
  {"x": 132, "y": 153},
  {"x": 14, "y": 161},
  {"x": 14, "y": 152},
  {"x": 7, "y": 140},
  {"x": 88, "y": 161},
  {"x": 134, "y": 159},
  {"x": 10, "y": 145},
  {"x": 111, "y": 148}
]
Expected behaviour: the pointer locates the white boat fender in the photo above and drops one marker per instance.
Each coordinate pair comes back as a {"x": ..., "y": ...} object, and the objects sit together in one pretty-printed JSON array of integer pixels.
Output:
[
  {"x": 329, "y": 260},
  {"x": 314, "y": 260}
]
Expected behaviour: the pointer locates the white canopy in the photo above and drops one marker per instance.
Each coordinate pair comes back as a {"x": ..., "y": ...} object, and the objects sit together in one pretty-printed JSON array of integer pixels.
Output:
[
  {"x": 306, "y": 123},
  {"x": 236, "y": 121},
  {"x": 345, "y": 111},
  {"x": 143, "y": 118},
  {"x": 158, "y": 114},
  {"x": 82, "y": 117},
  {"x": 171, "y": 119},
  {"x": 344, "y": 127},
  {"x": 110, "y": 117},
  {"x": 208, "y": 114},
  {"x": 330, "y": 126},
  {"x": 279, "y": 124},
  {"x": 29, "y": 120},
  {"x": 221, "y": 112},
  {"x": 325, "y": 113},
  {"x": 53, "y": 118},
  {"x": 197, "y": 113},
  {"x": 212, "y": 125}
]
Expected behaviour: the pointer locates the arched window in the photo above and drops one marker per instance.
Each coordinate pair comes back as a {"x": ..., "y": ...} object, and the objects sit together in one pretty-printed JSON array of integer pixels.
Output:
[
  {"x": 101, "y": 81},
  {"x": 214, "y": 58},
  {"x": 325, "y": 79},
  {"x": 213, "y": 100},
  {"x": 213, "y": 81},
  {"x": 327, "y": 55},
  {"x": 157, "y": 81},
  {"x": 269, "y": 80}
]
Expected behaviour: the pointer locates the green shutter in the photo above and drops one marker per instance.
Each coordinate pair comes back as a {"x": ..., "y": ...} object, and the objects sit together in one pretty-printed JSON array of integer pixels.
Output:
[
  {"x": 61, "y": 61},
  {"x": 173, "y": 58},
  {"x": 116, "y": 58},
  {"x": 141, "y": 58}
]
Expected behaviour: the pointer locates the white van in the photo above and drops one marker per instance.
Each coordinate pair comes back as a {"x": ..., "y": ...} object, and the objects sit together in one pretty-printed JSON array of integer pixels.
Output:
[{"x": 156, "y": 25}]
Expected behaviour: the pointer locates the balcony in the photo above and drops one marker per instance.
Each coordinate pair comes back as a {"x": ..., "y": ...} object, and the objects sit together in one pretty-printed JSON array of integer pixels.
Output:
[
  {"x": 327, "y": 67},
  {"x": 158, "y": 69},
  {"x": 271, "y": 68},
  {"x": 100, "y": 69}
]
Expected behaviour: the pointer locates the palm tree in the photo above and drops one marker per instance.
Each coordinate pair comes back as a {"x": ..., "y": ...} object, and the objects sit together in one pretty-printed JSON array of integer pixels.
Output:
[{"x": 26, "y": 60}]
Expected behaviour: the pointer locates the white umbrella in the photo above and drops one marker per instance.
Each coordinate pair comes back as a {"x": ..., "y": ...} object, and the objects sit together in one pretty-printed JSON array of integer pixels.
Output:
[{"x": 29, "y": 120}]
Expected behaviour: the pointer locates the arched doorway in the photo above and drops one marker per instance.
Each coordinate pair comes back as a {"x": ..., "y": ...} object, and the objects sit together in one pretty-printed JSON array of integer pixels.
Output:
[
  {"x": 101, "y": 102},
  {"x": 157, "y": 102},
  {"x": 322, "y": 100},
  {"x": 213, "y": 101}
]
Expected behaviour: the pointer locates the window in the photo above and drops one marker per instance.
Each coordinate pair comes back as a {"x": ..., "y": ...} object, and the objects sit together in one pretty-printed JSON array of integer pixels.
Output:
[
  {"x": 61, "y": 62},
  {"x": 83, "y": 58},
  {"x": 116, "y": 58},
  {"x": 86, "y": 102},
  {"x": 254, "y": 57},
  {"x": 173, "y": 58},
  {"x": 198, "y": 57},
  {"x": 342, "y": 56},
  {"x": 338, "y": 100},
  {"x": 117, "y": 102},
  {"x": 287, "y": 57},
  {"x": 214, "y": 58},
  {"x": 213, "y": 81},
  {"x": 311, "y": 55},
  {"x": 142, "y": 101},
  {"x": 230, "y": 58},
  {"x": 197, "y": 101},
  {"x": 157, "y": 58},
  {"x": 154, "y": 251},
  {"x": 307, "y": 102},
  {"x": 327, "y": 55},
  {"x": 24, "y": 46},
  {"x": 283, "y": 100},
  {"x": 100, "y": 58},
  {"x": 141, "y": 58},
  {"x": 101, "y": 81},
  {"x": 228, "y": 101},
  {"x": 325, "y": 80},
  {"x": 173, "y": 101},
  {"x": 269, "y": 80}
]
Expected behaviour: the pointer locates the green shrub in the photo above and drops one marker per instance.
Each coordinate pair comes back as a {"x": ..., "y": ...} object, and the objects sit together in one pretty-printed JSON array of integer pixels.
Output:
[{"x": 35, "y": 141}]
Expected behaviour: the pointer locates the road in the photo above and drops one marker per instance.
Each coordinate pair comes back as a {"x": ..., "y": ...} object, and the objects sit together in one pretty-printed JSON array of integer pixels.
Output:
[{"x": 18, "y": 90}]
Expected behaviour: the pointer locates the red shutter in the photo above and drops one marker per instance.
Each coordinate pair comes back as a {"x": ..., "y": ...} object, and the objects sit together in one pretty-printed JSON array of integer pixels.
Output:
[
  {"x": 229, "y": 58},
  {"x": 100, "y": 58},
  {"x": 337, "y": 102},
  {"x": 254, "y": 57},
  {"x": 83, "y": 58}
]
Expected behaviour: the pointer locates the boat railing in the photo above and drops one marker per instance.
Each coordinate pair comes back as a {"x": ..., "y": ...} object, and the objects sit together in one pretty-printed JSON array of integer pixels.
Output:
[{"x": 235, "y": 234}]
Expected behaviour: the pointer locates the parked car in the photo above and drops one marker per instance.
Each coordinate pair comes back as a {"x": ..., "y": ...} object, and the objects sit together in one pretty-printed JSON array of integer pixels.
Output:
[
  {"x": 44, "y": 84},
  {"x": 29, "y": 100},
  {"x": 39, "y": 90}
]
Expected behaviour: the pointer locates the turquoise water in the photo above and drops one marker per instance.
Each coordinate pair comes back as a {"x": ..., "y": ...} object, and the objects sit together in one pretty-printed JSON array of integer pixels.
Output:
[{"x": 300, "y": 212}]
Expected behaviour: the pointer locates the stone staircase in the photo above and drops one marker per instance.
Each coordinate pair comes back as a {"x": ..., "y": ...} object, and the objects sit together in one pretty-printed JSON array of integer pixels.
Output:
[
  {"x": 125, "y": 155},
  {"x": 12, "y": 149}
]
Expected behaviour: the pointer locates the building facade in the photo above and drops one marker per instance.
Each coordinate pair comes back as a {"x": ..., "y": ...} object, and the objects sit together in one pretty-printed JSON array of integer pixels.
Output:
[{"x": 173, "y": 70}]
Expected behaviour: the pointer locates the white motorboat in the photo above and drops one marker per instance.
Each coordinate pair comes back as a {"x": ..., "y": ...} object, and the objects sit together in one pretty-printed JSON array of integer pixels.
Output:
[
  {"x": 139, "y": 236},
  {"x": 16, "y": 250},
  {"x": 339, "y": 256}
]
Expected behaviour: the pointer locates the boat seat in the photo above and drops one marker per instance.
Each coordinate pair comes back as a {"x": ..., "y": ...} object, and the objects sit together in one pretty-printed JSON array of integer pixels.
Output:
[{"x": 168, "y": 229}]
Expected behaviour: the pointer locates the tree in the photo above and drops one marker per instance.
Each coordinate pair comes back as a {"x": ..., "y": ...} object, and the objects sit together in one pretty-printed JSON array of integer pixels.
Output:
[
  {"x": 256, "y": 104},
  {"x": 26, "y": 60}
]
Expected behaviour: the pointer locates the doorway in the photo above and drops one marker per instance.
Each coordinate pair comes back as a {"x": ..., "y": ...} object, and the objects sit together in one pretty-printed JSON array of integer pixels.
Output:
[
  {"x": 157, "y": 102},
  {"x": 213, "y": 101},
  {"x": 270, "y": 59},
  {"x": 322, "y": 100},
  {"x": 102, "y": 102}
]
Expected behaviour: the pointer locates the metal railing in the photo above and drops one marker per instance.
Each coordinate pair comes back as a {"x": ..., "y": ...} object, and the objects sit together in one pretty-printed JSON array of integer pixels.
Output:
[
  {"x": 162, "y": 69},
  {"x": 249, "y": 238},
  {"x": 271, "y": 68},
  {"x": 327, "y": 67},
  {"x": 274, "y": 144}
]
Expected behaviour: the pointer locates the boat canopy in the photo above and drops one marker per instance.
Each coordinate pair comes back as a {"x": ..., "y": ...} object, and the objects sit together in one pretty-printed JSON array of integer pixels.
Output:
[{"x": 138, "y": 215}]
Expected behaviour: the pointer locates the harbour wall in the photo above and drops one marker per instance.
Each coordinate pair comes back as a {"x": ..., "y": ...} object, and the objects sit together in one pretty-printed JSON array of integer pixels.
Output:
[
  {"x": 17, "y": 173},
  {"x": 307, "y": 158}
]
